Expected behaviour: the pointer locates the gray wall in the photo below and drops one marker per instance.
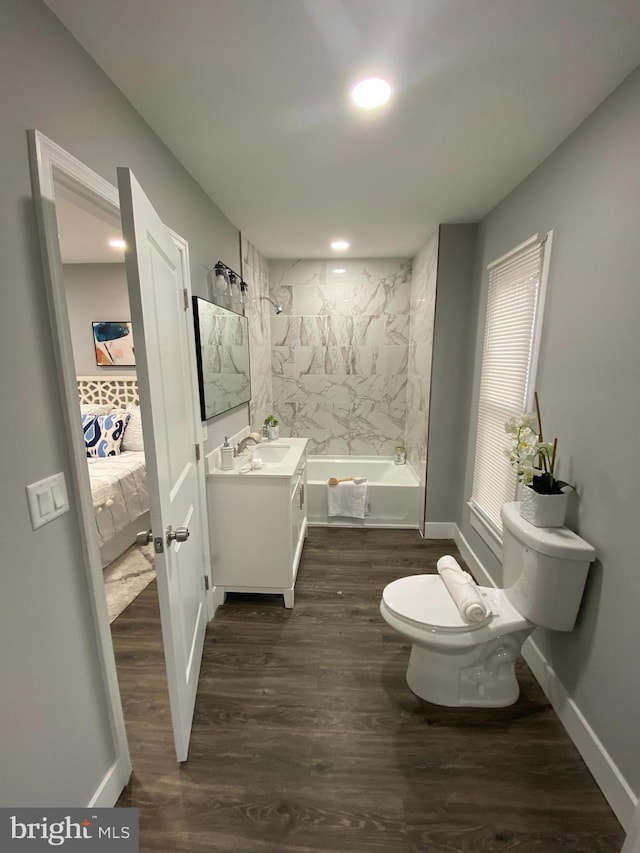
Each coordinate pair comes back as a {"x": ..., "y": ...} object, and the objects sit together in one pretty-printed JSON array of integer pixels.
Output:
[
  {"x": 451, "y": 371},
  {"x": 54, "y": 736},
  {"x": 94, "y": 292},
  {"x": 588, "y": 191}
]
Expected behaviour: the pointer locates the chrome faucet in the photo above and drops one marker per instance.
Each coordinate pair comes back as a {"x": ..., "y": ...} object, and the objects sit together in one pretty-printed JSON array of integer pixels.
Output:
[{"x": 242, "y": 444}]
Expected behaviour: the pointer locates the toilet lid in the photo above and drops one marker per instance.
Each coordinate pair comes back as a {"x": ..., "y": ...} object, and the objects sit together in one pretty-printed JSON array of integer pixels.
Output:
[{"x": 425, "y": 600}]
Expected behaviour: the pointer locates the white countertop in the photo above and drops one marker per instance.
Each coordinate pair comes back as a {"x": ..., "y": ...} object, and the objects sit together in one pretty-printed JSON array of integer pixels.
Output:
[{"x": 285, "y": 468}]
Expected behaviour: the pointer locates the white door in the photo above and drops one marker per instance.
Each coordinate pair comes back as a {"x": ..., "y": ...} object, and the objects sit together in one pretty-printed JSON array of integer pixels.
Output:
[{"x": 158, "y": 302}]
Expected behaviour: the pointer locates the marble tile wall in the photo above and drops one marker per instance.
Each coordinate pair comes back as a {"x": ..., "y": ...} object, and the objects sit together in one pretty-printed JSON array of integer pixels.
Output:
[
  {"x": 422, "y": 316},
  {"x": 258, "y": 312},
  {"x": 339, "y": 352}
]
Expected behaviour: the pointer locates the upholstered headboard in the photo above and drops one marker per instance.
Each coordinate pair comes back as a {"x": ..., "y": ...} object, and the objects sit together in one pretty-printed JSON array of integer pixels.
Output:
[{"x": 116, "y": 391}]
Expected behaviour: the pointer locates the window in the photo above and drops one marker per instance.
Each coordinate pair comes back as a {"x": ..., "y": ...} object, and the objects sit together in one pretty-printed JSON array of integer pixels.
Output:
[{"x": 511, "y": 337}]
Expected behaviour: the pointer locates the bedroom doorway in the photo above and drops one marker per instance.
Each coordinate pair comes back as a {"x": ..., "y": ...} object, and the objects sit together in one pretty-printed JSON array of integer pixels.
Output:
[
  {"x": 49, "y": 162},
  {"x": 99, "y": 313}
]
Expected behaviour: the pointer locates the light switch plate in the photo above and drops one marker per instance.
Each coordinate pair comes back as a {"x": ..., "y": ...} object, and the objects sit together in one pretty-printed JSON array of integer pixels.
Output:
[{"x": 47, "y": 500}]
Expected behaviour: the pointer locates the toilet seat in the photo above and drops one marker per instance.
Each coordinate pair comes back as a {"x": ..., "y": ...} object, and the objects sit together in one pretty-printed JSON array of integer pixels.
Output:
[{"x": 424, "y": 601}]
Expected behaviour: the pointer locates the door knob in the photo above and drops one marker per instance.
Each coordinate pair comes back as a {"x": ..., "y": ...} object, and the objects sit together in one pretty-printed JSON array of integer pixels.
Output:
[
  {"x": 144, "y": 537},
  {"x": 180, "y": 534}
]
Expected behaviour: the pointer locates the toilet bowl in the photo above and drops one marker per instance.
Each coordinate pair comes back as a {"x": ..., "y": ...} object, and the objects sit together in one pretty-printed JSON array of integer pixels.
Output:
[
  {"x": 459, "y": 664},
  {"x": 452, "y": 662}
]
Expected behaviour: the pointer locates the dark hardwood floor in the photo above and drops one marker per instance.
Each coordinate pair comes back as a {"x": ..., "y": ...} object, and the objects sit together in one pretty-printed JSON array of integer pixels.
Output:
[{"x": 307, "y": 738}]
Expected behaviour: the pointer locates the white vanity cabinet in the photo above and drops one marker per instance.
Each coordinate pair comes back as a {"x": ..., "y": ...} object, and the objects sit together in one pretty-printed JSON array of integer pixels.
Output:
[{"x": 258, "y": 524}]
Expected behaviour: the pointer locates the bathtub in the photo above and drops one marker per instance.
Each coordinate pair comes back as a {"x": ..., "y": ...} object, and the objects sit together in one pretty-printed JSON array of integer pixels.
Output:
[{"x": 394, "y": 495}]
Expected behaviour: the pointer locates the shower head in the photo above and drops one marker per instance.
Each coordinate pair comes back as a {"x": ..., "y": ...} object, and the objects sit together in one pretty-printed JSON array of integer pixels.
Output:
[{"x": 277, "y": 308}]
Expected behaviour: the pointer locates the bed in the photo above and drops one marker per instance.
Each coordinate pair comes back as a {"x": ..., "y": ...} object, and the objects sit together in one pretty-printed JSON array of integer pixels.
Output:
[{"x": 118, "y": 482}]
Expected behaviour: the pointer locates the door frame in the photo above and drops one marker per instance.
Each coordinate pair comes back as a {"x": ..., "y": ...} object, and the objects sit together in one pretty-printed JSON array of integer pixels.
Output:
[{"x": 50, "y": 163}]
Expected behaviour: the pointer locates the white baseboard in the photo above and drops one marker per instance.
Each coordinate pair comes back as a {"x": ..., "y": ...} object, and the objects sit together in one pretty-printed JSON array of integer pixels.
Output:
[
  {"x": 632, "y": 844},
  {"x": 439, "y": 530},
  {"x": 218, "y": 596},
  {"x": 607, "y": 775},
  {"x": 602, "y": 767},
  {"x": 108, "y": 791},
  {"x": 472, "y": 560}
]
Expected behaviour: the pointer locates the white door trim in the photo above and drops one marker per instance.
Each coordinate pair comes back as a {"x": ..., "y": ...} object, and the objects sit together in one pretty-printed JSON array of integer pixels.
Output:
[{"x": 49, "y": 161}]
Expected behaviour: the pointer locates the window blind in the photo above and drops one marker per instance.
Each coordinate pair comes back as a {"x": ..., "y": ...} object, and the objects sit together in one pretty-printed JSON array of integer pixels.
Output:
[{"x": 513, "y": 298}]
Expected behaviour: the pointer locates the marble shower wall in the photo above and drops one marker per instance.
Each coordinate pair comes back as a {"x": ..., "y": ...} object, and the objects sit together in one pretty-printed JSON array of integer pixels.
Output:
[
  {"x": 423, "y": 301},
  {"x": 339, "y": 352},
  {"x": 258, "y": 312}
]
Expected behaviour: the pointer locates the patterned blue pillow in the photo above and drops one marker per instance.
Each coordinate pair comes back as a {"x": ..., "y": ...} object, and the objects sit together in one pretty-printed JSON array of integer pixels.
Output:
[{"x": 103, "y": 433}]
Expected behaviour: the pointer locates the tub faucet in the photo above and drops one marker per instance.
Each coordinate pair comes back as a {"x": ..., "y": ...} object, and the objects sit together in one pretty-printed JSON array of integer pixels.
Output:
[{"x": 242, "y": 445}]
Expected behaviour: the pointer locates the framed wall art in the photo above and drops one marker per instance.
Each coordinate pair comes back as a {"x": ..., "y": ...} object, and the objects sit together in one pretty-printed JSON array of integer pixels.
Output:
[{"x": 113, "y": 343}]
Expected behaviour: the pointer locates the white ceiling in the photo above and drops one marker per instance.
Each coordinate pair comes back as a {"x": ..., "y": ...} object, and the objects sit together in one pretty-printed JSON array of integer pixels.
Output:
[{"x": 252, "y": 97}]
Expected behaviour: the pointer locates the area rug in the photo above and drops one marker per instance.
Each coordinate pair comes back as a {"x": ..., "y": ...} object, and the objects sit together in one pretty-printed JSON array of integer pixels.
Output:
[{"x": 126, "y": 577}]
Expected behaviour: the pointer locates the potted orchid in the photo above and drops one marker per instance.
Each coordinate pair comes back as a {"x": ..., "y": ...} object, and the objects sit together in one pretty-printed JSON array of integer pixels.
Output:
[
  {"x": 273, "y": 430},
  {"x": 543, "y": 501}
]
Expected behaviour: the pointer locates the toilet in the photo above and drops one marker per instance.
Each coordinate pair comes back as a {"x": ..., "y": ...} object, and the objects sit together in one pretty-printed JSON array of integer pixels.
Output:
[{"x": 458, "y": 664}]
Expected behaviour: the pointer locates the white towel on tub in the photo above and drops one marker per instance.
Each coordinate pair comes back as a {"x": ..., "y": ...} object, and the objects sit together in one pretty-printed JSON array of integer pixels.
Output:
[
  {"x": 348, "y": 500},
  {"x": 464, "y": 591}
]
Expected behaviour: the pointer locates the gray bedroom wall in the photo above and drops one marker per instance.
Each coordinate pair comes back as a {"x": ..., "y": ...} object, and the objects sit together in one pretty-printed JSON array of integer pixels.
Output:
[
  {"x": 588, "y": 192},
  {"x": 451, "y": 371},
  {"x": 94, "y": 292},
  {"x": 55, "y": 741}
]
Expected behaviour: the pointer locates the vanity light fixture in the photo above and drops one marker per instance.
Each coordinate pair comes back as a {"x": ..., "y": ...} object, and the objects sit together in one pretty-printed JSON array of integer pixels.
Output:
[
  {"x": 117, "y": 244},
  {"x": 227, "y": 286},
  {"x": 339, "y": 270},
  {"x": 340, "y": 245},
  {"x": 371, "y": 93}
]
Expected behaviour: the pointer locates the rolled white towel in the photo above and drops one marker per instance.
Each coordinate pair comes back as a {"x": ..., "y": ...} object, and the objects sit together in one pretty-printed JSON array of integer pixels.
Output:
[{"x": 464, "y": 590}]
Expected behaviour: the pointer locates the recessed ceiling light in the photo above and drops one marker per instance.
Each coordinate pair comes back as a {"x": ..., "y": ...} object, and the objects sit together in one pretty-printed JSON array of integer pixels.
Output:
[
  {"x": 340, "y": 245},
  {"x": 371, "y": 93},
  {"x": 339, "y": 270},
  {"x": 117, "y": 244}
]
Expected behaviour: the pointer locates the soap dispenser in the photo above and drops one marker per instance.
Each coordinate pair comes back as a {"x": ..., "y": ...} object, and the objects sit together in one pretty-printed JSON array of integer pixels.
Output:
[{"x": 226, "y": 455}]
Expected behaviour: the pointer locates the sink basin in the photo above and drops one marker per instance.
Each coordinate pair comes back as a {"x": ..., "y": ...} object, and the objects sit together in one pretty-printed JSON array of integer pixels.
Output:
[{"x": 272, "y": 453}]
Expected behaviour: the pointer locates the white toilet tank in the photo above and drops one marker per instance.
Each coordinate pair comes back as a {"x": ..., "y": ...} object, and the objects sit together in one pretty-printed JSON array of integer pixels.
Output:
[{"x": 544, "y": 570}]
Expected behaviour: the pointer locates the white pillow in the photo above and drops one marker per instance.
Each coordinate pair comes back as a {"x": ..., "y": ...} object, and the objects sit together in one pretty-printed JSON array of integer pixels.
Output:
[
  {"x": 94, "y": 409},
  {"x": 132, "y": 438}
]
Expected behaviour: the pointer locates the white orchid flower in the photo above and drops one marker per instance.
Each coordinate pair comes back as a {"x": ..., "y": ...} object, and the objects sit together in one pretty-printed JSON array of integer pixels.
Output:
[
  {"x": 511, "y": 427},
  {"x": 530, "y": 457}
]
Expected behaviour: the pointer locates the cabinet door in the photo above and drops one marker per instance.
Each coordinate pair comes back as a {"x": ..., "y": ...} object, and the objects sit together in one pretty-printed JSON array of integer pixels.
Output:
[{"x": 298, "y": 511}]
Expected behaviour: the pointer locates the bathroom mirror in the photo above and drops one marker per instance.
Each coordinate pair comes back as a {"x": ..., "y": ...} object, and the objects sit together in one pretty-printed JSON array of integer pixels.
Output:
[{"x": 222, "y": 354}]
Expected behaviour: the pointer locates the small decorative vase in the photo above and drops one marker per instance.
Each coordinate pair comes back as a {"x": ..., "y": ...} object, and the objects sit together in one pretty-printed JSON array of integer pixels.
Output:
[
  {"x": 543, "y": 510},
  {"x": 274, "y": 432}
]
